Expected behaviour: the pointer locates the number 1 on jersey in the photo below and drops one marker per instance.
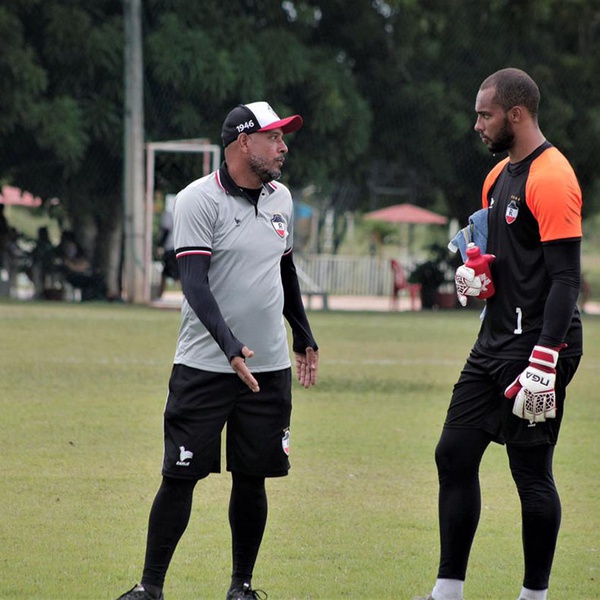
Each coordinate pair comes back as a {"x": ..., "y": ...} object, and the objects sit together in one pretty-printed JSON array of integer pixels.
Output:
[{"x": 519, "y": 329}]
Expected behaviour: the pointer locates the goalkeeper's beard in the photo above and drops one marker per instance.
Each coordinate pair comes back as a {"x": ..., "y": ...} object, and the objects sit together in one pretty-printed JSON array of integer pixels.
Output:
[{"x": 504, "y": 140}]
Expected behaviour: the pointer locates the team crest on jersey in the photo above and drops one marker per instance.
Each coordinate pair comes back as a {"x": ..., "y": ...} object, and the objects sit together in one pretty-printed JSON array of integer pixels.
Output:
[
  {"x": 512, "y": 212},
  {"x": 278, "y": 223}
]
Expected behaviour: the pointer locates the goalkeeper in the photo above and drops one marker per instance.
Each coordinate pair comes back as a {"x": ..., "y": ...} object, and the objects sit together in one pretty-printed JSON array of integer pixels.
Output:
[{"x": 512, "y": 388}]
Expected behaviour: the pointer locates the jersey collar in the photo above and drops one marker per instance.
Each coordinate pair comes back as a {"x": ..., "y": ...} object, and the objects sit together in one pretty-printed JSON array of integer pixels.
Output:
[{"x": 228, "y": 184}]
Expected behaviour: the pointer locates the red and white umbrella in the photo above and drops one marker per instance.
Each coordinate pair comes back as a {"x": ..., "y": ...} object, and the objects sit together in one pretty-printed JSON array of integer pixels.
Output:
[
  {"x": 16, "y": 196},
  {"x": 406, "y": 213}
]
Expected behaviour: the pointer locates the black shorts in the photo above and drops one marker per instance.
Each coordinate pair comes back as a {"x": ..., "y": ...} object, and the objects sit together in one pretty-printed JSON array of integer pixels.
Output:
[
  {"x": 199, "y": 405},
  {"x": 478, "y": 400}
]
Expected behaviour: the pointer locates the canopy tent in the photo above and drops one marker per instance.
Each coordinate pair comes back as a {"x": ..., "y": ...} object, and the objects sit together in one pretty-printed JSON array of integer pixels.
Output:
[
  {"x": 15, "y": 196},
  {"x": 406, "y": 213}
]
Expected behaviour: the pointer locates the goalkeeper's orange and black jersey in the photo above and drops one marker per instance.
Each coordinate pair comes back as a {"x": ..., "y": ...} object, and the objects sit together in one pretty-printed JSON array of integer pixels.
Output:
[{"x": 531, "y": 204}]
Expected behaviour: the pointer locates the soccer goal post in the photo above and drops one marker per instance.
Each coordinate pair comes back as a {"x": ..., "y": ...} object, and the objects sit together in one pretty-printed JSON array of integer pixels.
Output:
[{"x": 211, "y": 160}]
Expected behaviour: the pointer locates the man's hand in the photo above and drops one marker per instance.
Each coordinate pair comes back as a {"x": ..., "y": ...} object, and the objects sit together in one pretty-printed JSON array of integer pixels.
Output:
[
  {"x": 469, "y": 284},
  {"x": 238, "y": 364},
  {"x": 533, "y": 389},
  {"x": 307, "y": 366}
]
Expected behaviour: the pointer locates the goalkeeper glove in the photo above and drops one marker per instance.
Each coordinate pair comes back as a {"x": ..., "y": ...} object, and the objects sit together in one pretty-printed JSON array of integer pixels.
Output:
[
  {"x": 533, "y": 389},
  {"x": 470, "y": 284}
]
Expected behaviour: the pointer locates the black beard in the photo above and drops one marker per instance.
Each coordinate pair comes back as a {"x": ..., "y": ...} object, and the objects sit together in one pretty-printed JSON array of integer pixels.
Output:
[
  {"x": 504, "y": 141},
  {"x": 265, "y": 175}
]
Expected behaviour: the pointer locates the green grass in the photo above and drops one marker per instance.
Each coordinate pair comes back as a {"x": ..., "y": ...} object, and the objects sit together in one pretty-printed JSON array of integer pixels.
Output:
[{"x": 82, "y": 389}]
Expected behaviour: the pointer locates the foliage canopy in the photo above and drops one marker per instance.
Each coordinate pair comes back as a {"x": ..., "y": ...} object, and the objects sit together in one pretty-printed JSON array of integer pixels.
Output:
[{"x": 386, "y": 89}]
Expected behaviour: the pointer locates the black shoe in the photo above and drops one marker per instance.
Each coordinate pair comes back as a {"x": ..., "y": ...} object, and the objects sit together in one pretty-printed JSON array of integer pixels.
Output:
[
  {"x": 245, "y": 593},
  {"x": 138, "y": 592}
]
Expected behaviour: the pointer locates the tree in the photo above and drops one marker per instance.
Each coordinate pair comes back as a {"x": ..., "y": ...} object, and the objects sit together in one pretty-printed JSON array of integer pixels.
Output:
[
  {"x": 62, "y": 131},
  {"x": 202, "y": 60},
  {"x": 418, "y": 65},
  {"x": 386, "y": 88},
  {"x": 62, "y": 136}
]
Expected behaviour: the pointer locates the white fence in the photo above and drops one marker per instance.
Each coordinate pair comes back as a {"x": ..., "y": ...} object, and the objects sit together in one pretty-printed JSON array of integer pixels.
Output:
[{"x": 346, "y": 275}]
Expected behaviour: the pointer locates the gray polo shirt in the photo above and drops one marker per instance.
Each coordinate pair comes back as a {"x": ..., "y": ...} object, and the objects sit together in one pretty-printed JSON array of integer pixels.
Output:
[{"x": 245, "y": 243}]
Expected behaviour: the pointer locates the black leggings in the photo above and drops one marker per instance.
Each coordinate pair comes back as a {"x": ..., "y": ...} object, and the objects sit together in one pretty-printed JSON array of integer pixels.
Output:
[
  {"x": 458, "y": 456},
  {"x": 170, "y": 516},
  {"x": 248, "y": 519}
]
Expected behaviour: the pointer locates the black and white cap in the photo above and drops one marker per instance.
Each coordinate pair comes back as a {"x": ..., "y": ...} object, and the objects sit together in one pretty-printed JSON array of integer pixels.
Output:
[{"x": 253, "y": 117}]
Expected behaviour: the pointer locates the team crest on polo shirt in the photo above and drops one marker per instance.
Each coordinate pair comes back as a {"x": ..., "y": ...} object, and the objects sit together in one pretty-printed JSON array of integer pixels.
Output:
[
  {"x": 512, "y": 212},
  {"x": 278, "y": 223}
]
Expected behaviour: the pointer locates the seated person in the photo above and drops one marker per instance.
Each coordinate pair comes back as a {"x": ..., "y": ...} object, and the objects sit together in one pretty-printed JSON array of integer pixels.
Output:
[{"x": 77, "y": 269}]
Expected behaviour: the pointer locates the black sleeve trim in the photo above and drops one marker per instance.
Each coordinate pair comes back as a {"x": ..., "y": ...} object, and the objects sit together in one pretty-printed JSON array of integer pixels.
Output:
[
  {"x": 293, "y": 307},
  {"x": 193, "y": 269}
]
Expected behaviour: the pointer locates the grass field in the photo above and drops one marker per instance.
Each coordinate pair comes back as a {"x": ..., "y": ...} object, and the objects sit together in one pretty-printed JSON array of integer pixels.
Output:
[{"x": 82, "y": 392}]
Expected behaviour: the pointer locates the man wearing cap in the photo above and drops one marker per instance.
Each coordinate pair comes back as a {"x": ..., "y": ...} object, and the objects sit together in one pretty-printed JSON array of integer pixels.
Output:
[{"x": 233, "y": 241}]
